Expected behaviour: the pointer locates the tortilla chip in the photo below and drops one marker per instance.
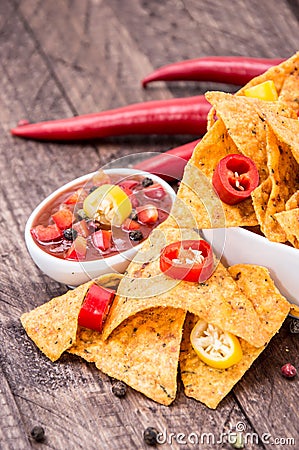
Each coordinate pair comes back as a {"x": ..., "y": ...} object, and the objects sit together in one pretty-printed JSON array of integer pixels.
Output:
[
  {"x": 218, "y": 300},
  {"x": 210, "y": 385},
  {"x": 293, "y": 201},
  {"x": 278, "y": 74},
  {"x": 294, "y": 311},
  {"x": 53, "y": 325},
  {"x": 287, "y": 131},
  {"x": 283, "y": 168},
  {"x": 143, "y": 352},
  {"x": 244, "y": 125},
  {"x": 272, "y": 195},
  {"x": 289, "y": 222},
  {"x": 285, "y": 78},
  {"x": 260, "y": 198},
  {"x": 197, "y": 205},
  {"x": 289, "y": 93},
  {"x": 244, "y": 119}
]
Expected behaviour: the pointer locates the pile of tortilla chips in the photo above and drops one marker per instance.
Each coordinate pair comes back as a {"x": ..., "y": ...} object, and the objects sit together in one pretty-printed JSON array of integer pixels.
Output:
[
  {"x": 268, "y": 133},
  {"x": 146, "y": 337}
]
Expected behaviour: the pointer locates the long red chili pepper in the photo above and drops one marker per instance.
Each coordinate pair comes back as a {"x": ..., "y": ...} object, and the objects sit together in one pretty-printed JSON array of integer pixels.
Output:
[
  {"x": 169, "y": 165},
  {"x": 236, "y": 70},
  {"x": 171, "y": 116}
]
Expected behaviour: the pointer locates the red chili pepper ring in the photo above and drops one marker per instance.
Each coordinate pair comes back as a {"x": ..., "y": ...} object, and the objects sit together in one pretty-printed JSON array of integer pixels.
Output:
[
  {"x": 234, "y": 178},
  {"x": 189, "y": 260}
]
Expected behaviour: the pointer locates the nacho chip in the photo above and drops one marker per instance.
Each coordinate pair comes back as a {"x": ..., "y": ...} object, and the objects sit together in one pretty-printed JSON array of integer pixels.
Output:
[
  {"x": 289, "y": 93},
  {"x": 218, "y": 300},
  {"x": 244, "y": 125},
  {"x": 210, "y": 385},
  {"x": 260, "y": 198},
  {"x": 143, "y": 352},
  {"x": 197, "y": 205},
  {"x": 285, "y": 78},
  {"x": 293, "y": 201},
  {"x": 53, "y": 325},
  {"x": 287, "y": 131},
  {"x": 244, "y": 119},
  {"x": 284, "y": 183},
  {"x": 279, "y": 74},
  {"x": 289, "y": 222},
  {"x": 294, "y": 311}
]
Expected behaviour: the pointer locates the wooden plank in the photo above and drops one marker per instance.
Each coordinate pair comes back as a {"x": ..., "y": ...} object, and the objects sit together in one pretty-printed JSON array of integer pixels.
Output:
[
  {"x": 12, "y": 433},
  {"x": 71, "y": 400},
  {"x": 267, "y": 397},
  {"x": 80, "y": 57}
]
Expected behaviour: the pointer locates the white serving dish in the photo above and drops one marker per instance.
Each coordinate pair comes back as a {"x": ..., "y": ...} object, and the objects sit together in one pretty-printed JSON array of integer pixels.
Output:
[
  {"x": 74, "y": 273},
  {"x": 240, "y": 246}
]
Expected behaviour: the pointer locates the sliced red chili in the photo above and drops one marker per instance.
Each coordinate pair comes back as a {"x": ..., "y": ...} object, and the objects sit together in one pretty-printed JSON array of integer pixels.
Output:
[
  {"x": 189, "y": 260},
  {"x": 234, "y": 178},
  {"x": 95, "y": 307}
]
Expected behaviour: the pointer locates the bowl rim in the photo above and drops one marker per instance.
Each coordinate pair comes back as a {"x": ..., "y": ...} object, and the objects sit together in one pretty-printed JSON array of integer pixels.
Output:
[
  {"x": 111, "y": 259},
  {"x": 263, "y": 239}
]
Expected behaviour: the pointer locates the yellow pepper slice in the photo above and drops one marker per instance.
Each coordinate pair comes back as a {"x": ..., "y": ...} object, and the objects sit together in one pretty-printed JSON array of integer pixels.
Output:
[
  {"x": 264, "y": 91},
  {"x": 108, "y": 204},
  {"x": 215, "y": 347}
]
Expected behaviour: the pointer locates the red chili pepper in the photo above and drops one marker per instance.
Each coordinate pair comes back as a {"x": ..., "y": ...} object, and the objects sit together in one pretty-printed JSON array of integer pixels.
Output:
[
  {"x": 234, "y": 178},
  {"x": 236, "y": 70},
  {"x": 169, "y": 165},
  {"x": 171, "y": 116},
  {"x": 95, "y": 307},
  {"x": 175, "y": 257}
]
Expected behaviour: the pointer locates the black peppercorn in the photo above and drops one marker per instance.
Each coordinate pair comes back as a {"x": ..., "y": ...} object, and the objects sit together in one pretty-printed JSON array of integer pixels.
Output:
[
  {"x": 93, "y": 188},
  {"x": 119, "y": 389},
  {"x": 150, "y": 436},
  {"x": 134, "y": 215},
  {"x": 136, "y": 235},
  {"x": 70, "y": 234},
  {"x": 147, "y": 182},
  {"x": 38, "y": 433}
]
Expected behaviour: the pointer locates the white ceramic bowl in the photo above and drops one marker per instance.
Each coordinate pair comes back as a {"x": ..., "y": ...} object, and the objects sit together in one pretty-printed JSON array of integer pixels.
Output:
[
  {"x": 240, "y": 246},
  {"x": 74, "y": 273}
]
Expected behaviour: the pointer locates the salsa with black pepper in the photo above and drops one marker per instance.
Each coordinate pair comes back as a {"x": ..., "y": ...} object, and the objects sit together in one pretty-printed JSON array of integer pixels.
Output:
[{"x": 102, "y": 217}]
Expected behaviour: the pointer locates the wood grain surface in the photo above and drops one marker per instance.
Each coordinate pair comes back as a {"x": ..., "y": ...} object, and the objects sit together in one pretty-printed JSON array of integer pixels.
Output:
[{"x": 67, "y": 57}]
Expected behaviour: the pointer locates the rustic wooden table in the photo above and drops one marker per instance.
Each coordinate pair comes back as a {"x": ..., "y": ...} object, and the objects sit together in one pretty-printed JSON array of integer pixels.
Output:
[{"x": 62, "y": 58}]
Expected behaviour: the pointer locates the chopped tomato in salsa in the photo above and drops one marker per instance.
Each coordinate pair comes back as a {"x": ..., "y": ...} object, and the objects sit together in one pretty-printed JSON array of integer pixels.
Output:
[{"x": 96, "y": 219}]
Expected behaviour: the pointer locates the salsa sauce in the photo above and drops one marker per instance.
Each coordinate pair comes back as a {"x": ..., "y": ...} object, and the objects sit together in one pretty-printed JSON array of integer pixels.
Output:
[{"x": 145, "y": 194}]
